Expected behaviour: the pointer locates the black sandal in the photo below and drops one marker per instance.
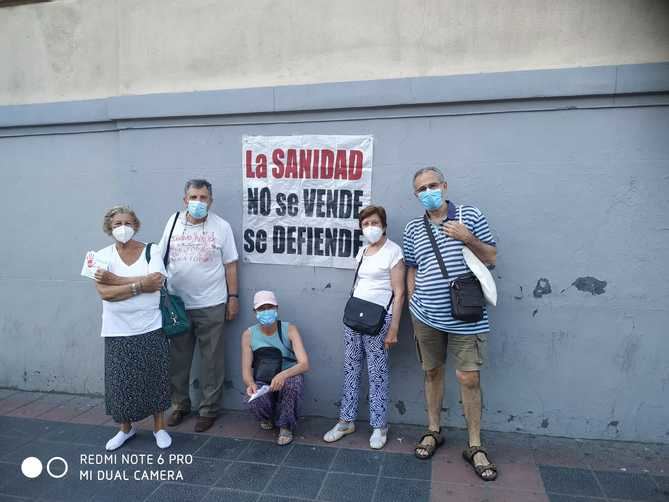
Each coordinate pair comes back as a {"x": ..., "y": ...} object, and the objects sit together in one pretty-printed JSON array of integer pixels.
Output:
[
  {"x": 469, "y": 454},
  {"x": 429, "y": 448}
]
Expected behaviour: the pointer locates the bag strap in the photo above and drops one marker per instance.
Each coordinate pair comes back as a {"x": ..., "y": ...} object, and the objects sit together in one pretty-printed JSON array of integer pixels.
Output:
[
  {"x": 283, "y": 342},
  {"x": 147, "y": 255},
  {"x": 355, "y": 278},
  {"x": 433, "y": 241},
  {"x": 166, "y": 258}
]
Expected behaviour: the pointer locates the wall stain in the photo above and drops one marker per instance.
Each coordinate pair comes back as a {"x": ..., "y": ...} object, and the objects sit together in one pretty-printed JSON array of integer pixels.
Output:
[
  {"x": 614, "y": 424},
  {"x": 510, "y": 418},
  {"x": 196, "y": 383},
  {"x": 328, "y": 286},
  {"x": 521, "y": 294},
  {"x": 542, "y": 288},
  {"x": 590, "y": 284},
  {"x": 544, "y": 423},
  {"x": 401, "y": 407},
  {"x": 629, "y": 352},
  {"x": 534, "y": 312}
]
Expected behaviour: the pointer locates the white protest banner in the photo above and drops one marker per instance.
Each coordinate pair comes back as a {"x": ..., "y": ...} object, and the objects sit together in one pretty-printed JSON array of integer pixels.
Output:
[{"x": 302, "y": 196}]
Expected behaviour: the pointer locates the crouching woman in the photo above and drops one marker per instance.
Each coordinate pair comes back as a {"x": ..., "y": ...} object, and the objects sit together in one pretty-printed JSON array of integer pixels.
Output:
[{"x": 273, "y": 355}]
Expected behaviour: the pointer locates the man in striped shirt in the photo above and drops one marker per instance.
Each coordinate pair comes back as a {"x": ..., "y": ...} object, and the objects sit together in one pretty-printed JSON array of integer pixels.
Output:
[{"x": 435, "y": 330}]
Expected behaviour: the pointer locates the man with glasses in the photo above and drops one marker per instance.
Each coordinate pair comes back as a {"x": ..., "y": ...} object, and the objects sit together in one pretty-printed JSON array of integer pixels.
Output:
[
  {"x": 202, "y": 270},
  {"x": 436, "y": 331}
]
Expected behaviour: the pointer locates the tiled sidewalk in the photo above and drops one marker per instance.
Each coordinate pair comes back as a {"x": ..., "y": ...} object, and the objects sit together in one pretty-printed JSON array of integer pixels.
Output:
[{"x": 236, "y": 460}]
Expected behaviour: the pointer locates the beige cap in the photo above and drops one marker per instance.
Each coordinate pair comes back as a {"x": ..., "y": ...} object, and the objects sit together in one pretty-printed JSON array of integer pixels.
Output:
[{"x": 263, "y": 298}]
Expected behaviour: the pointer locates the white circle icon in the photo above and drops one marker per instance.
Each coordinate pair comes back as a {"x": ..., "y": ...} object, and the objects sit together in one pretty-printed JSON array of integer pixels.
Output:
[
  {"x": 31, "y": 467},
  {"x": 57, "y": 476}
]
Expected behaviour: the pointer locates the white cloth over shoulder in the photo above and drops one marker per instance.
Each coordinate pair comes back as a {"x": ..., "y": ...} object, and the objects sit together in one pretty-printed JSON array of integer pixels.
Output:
[
  {"x": 374, "y": 283},
  {"x": 198, "y": 254},
  {"x": 138, "y": 314}
]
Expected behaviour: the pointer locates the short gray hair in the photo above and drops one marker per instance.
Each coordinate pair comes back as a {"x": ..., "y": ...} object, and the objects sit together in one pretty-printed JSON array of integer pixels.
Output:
[
  {"x": 109, "y": 215},
  {"x": 199, "y": 183},
  {"x": 429, "y": 169}
]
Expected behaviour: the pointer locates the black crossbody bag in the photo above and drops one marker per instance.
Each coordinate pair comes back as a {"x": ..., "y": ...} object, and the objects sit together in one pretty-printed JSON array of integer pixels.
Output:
[
  {"x": 367, "y": 318},
  {"x": 268, "y": 361},
  {"x": 466, "y": 294}
]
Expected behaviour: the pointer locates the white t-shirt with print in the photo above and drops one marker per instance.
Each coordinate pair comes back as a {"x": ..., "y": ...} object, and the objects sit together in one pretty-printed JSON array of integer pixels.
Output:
[
  {"x": 198, "y": 254},
  {"x": 373, "y": 282},
  {"x": 138, "y": 314}
]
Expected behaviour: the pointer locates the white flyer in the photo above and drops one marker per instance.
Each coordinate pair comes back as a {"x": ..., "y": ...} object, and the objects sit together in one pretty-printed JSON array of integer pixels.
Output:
[
  {"x": 92, "y": 262},
  {"x": 260, "y": 392}
]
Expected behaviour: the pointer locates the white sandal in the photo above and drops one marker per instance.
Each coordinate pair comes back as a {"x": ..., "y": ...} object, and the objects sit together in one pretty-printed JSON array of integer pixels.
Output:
[
  {"x": 378, "y": 438},
  {"x": 339, "y": 431},
  {"x": 285, "y": 437}
]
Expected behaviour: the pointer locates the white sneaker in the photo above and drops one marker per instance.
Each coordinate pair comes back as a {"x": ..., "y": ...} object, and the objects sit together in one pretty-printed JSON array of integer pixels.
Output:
[
  {"x": 163, "y": 439},
  {"x": 339, "y": 431},
  {"x": 378, "y": 438},
  {"x": 120, "y": 438}
]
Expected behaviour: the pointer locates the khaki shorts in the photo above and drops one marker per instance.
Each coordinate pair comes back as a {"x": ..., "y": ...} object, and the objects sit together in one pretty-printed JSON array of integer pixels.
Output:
[{"x": 433, "y": 345}]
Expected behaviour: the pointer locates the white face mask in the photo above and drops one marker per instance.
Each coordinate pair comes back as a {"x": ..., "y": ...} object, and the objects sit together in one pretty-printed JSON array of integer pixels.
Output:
[
  {"x": 123, "y": 233},
  {"x": 372, "y": 233}
]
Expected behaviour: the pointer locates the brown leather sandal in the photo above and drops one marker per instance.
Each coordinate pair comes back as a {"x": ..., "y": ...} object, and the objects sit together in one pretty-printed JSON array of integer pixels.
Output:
[
  {"x": 469, "y": 454},
  {"x": 429, "y": 448}
]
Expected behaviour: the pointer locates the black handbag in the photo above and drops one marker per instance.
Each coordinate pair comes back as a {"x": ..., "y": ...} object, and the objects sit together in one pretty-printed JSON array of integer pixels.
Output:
[
  {"x": 466, "y": 294},
  {"x": 365, "y": 317},
  {"x": 268, "y": 361}
]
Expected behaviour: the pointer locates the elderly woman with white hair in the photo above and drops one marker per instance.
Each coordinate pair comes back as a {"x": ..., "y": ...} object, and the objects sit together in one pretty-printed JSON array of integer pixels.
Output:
[{"x": 136, "y": 351}]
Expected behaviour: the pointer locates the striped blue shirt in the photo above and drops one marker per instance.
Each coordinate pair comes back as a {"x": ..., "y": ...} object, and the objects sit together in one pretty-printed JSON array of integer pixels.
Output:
[{"x": 431, "y": 302}]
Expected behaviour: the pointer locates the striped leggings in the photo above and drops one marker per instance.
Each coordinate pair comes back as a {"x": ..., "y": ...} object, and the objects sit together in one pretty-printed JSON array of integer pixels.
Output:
[{"x": 357, "y": 348}]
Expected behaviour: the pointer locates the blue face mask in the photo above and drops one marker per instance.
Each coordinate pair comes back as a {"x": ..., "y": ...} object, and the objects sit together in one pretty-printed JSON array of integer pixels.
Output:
[
  {"x": 431, "y": 199},
  {"x": 267, "y": 317},
  {"x": 197, "y": 209}
]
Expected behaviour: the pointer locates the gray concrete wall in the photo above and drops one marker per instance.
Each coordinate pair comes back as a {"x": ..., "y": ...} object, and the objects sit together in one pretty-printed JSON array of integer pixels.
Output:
[
  {"x": 81, "y": 49},
  {"x": 571, "y": 167}
]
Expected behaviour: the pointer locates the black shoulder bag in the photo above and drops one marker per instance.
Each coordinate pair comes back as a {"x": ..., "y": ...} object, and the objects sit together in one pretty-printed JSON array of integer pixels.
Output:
[
  {"x": 367, "y": 318},
  {"x": 467, "y": 299},
  {"x": 268, "y": 361}
]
